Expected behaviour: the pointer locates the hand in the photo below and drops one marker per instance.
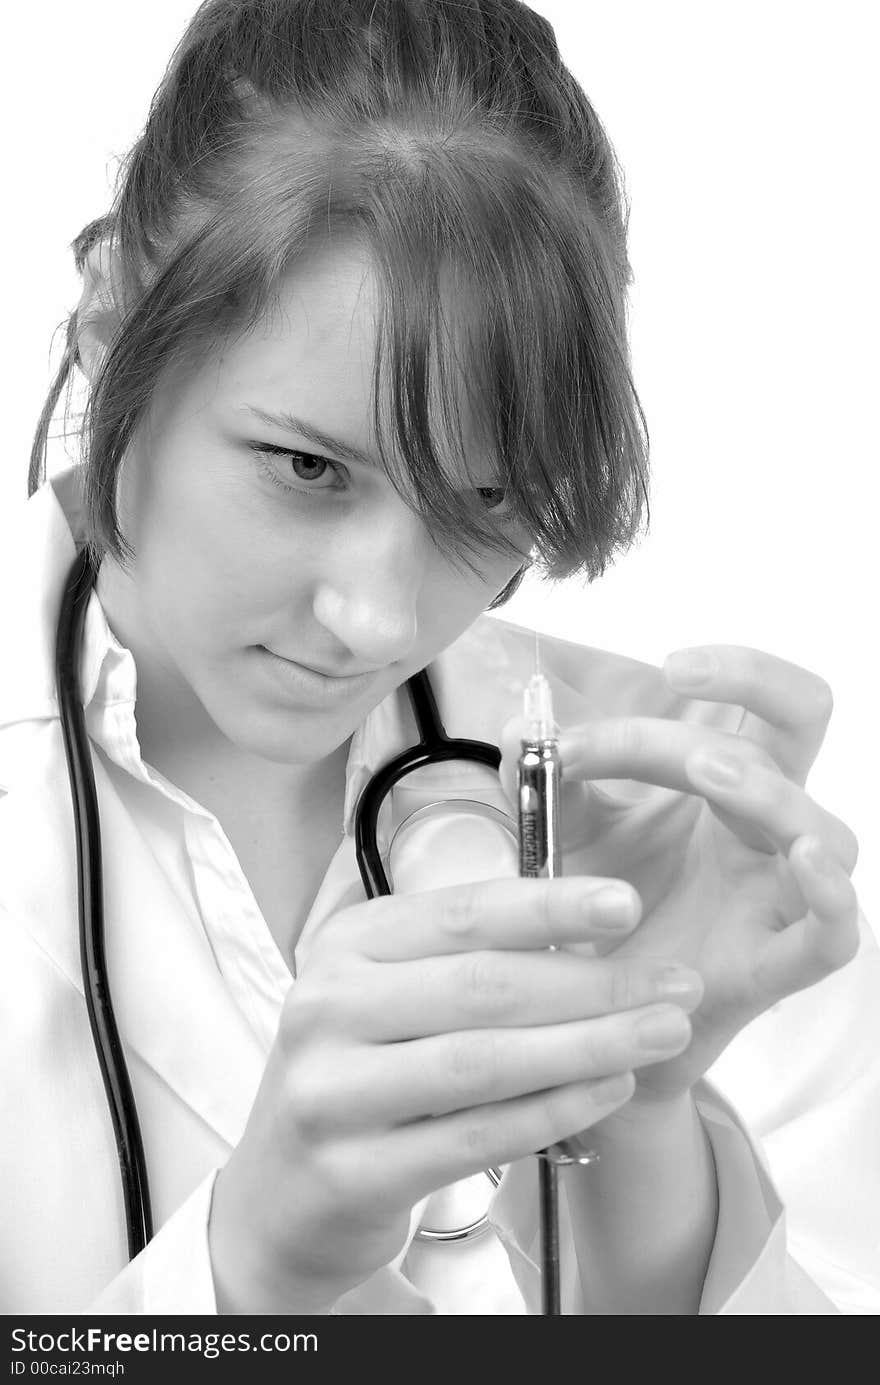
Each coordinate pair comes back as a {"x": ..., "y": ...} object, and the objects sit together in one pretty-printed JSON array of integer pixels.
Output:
[
  {"x": 722, "y": 859},
  {"x": 428, "y": 1037}
]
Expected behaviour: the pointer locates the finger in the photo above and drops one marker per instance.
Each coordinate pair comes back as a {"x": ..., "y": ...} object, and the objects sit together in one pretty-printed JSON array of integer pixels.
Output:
[
  {"x": 479, "y": 990},
  {"x": 666, "y": 753},
  {"x": 509, "y": 913},
  {"x": 391, "y": 1085},
  {"x": 787, "y": 708},
  {"x": 452, "y": 1072},
  {"x": 435, "y": 1152},
  {"x": 825, "y": 939},
  {"x": 651, "y": 750},
  {"x": 750, "y": 795}
]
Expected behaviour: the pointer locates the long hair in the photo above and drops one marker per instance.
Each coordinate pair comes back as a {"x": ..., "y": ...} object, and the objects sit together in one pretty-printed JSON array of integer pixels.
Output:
[{"x": 449, "y": 138}]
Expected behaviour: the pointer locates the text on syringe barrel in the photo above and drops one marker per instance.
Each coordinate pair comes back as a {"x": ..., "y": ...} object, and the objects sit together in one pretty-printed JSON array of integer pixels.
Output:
[{"x": 539, "y": 786}]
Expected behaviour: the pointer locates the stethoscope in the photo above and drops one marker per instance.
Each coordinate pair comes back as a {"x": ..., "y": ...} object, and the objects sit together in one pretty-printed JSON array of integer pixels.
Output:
[{"x": 434, "y": 746}]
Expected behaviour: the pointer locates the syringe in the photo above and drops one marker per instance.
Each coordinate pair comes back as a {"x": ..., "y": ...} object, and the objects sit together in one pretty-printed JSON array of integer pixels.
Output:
[
  {"x": 539, "y": 785},
  {"x": 539, "y": 804}
]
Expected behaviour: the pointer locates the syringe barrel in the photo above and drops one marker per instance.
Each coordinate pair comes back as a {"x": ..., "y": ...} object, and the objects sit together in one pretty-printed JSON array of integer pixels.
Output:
[{"x": 539, "y": 791}]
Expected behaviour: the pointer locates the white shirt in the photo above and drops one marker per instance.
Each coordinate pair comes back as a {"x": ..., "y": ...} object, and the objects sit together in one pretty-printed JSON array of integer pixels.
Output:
[{"x": 198, "y": 985}]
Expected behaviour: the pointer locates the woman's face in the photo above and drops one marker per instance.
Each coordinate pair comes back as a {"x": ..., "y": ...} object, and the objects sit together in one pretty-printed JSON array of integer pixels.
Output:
[{"x": 302, "y": 550}]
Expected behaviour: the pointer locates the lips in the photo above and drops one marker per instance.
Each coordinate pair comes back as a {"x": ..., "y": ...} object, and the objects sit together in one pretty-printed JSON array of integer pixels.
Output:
[
  {"x": 308, "y": 686},
  {"x": 321, "y": 672}
]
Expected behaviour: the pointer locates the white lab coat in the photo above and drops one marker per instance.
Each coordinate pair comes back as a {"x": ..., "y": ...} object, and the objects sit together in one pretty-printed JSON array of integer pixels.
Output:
[{"x": 791, "y": 1109}]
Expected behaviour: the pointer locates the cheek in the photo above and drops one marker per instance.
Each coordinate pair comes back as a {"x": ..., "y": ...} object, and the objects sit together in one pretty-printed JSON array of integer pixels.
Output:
[
  {"x": 453, "y": 600},
  {"x": 214, "y": 566}
]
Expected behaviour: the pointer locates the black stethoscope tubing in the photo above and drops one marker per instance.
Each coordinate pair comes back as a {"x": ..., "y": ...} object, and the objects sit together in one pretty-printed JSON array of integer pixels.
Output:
[{"x": 90, "y": 900}]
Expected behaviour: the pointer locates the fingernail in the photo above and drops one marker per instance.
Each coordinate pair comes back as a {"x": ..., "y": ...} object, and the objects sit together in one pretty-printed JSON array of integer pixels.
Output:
[
  {"x": 719, "y": 769},
  {"x": 691, "y": 667},
  {"x": 612, "y": 907},
  {"x": 679, "y": 983},
  {"x": 663, "y": 1030}
]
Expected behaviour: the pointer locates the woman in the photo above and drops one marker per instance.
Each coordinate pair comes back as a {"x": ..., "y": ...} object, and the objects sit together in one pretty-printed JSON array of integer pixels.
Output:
[{"x": 355, "y": 334}]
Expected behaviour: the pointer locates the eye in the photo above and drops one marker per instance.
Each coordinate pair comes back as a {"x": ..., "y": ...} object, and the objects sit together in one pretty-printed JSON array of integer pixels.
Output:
[
  {"x": 310, "y": 471},
  {"x": 492, "y": 497}
]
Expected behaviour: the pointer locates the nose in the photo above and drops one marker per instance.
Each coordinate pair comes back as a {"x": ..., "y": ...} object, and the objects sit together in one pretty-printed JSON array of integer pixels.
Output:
[{"x": 369, "y": 593}]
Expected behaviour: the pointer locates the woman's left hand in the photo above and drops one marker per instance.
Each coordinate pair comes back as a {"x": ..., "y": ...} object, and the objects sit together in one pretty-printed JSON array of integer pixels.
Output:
[{"x": 724, "y": 859}]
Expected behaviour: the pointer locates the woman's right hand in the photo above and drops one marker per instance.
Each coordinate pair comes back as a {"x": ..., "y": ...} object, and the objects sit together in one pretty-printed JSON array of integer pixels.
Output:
[{"x": 428, "y": 1037}]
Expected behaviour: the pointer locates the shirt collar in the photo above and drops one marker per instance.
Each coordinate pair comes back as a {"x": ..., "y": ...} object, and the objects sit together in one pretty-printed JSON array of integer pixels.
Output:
[{"x": 49, "y": 531}]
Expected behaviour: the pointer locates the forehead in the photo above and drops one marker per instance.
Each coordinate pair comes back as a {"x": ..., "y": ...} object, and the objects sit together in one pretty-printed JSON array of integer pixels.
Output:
[
  {"x": 313, "y": 355},
  {"x": 317, "y": 341}
]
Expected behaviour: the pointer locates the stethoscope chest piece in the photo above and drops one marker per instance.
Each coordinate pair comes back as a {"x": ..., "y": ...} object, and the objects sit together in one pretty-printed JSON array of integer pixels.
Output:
[
  {"x": 450, "y": 841},
  {"x": 467, "y": 1232}
]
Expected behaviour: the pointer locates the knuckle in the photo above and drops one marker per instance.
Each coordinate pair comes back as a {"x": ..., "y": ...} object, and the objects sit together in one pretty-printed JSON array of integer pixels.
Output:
[
  {"x": 313, "y": 1006},
  {"x": 628, "y": 738},
  {"x": 339, "y": 1175},
  {"x": 478, "y": 1140},
  {"x": 484, "y": 984},
  {"x": 310, "y": 1104},
  {"x": 473, "y": 1063},
  {"x": 462, "y": 914}
]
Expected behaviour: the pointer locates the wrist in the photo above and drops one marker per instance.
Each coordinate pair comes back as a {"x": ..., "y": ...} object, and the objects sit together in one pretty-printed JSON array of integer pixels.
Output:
[
  {"x": 247, "y": 1280},
  {"x": 644, "y": 1217},
  {"x": 645, "y": 1120}
]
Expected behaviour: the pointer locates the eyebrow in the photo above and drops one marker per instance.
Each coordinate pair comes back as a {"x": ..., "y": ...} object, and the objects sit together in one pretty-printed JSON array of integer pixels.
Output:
[
  {"x": 292, "y": 424},
  {"x": 308, "y": 430}
]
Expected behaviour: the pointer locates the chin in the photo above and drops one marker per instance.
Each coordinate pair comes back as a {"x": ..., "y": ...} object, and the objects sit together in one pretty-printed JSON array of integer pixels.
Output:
[{"x": 292, "y": 739}]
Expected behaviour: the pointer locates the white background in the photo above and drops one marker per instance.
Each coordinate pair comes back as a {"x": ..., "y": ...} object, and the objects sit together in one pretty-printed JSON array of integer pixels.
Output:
[{"x": 748, "y": 136}]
